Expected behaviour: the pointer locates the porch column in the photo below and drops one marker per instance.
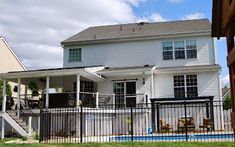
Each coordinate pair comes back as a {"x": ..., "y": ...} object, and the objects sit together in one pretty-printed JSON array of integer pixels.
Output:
[
  {"x": 18, "y": 97},
  {"x": 47, "y": 91},
  {"x": 4, "y": 96},
  {"x": 97, "y": 99},
  {"x": 3, "y": 128},
  {"x": 78, "y": 91}
]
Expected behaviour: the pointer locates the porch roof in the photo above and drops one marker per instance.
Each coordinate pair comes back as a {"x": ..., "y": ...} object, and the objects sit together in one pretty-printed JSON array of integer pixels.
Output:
[{"x": 86, "y": 72}]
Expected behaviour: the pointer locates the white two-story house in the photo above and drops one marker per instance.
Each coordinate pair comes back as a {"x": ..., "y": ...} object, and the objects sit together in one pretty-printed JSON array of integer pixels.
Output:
[
  {"x": 162, "y": 60},
  {"x": 126, "y": 65}
]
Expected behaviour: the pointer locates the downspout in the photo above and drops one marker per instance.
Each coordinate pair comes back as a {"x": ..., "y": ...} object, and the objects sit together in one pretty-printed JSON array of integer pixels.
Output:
[{"x": 152, "y": 83}]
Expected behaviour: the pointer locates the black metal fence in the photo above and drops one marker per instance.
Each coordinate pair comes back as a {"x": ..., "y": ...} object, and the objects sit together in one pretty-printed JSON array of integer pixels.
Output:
[{"x": 183, "y": 121}]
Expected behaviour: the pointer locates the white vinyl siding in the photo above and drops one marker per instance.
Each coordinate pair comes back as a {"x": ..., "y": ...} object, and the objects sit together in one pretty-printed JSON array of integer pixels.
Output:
[{"x": 139, "y": 53}]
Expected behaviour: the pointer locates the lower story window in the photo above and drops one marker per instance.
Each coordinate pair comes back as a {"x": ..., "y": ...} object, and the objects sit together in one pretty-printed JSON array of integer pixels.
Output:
[
  {"x": 185, "y": 86},
  {"x": 125, "y": 93}
]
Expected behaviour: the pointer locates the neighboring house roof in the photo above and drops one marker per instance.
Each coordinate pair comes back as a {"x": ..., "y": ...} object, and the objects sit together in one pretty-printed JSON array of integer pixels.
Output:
[
  {"x": 225, "y": 91},
  {"x": 135, "y": 30},
  {"x": 14, "y": 55}
]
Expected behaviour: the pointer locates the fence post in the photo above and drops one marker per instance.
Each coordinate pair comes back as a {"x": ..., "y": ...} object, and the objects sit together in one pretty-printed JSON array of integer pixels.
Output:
[
  {"x": 212, "y": 113},
  {"x": 132, "y": 127},
  {"x": 81, "y": 120},
  {"x": 97, "y": 99},
  {"x": 153, "y": 117},
  {"x": 158, "y": 118},
  {"x": 185, "y": 117}
]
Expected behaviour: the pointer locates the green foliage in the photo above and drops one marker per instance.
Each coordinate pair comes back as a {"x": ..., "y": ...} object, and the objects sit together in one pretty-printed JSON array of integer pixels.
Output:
[
  {"x": 33, "y": 86},
  {"x": 227, "y": 104},
  {"x": 8, "y": 89},
  {"x": 36, "y": 136}
]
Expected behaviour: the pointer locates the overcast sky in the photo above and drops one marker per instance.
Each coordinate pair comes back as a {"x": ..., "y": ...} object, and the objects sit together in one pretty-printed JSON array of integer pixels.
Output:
[{"x": 35, "y": 28}]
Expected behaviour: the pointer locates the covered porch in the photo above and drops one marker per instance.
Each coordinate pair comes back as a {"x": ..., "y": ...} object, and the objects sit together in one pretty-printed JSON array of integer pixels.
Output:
[{"x": 61, "y": 87}]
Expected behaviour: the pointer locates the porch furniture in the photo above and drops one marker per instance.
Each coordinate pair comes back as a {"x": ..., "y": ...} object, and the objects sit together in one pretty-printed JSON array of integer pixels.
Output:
[
  {"x": 184, "y": 123},
  {"x": 207, "y": 124},
  {"x": 164, "y": 126}
]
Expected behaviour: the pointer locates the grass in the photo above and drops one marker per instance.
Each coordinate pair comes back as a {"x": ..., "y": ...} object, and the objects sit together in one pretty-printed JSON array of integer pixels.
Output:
[{"x": 125, "y": 144}]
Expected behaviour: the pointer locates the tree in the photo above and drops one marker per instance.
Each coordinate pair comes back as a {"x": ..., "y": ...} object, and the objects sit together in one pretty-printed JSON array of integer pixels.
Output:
[
  {"x": 8, "y": 89},
  {"x": 227, "y": 104}
]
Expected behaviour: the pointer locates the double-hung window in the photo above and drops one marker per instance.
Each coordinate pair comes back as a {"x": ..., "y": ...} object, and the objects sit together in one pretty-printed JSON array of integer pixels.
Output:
[
  {"x": 185, "y": 86},
  {"x": 75, "y": 54},
  {"x": 191, "y": 49},
  {"x": 167, "y": 50},
  {"x": 179, "y": 50}
]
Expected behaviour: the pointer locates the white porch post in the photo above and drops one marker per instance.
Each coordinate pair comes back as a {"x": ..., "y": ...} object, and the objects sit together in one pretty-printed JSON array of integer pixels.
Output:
[
  {"x": 47, "y": 91},
  {"x": 78, "y": 91},
  {"x": 3, "y": 128},
  {"x": 38, "y": 125},
  {"x": 113, "y": 100},
  {"x": 18, "y": 97},
  {"x": 4, "y": 96},
  {"x": 97, "y": 99}
]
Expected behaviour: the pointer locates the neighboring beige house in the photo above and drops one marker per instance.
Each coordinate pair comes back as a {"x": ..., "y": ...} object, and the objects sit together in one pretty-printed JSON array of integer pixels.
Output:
[{"x": 9, "y": 61}]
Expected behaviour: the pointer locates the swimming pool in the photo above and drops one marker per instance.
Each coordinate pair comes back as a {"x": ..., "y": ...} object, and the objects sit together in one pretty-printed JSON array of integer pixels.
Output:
[{"x": 178, "y": 137}]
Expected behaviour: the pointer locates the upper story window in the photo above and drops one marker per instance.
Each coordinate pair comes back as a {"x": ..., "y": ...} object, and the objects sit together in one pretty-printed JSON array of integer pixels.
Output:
[
  {"x": 179, "y": 49},
  {"x": 167, "y": 50},
  {"x": 191, "y": 49},
  {"x": 75, "y": 54},
  {"x": 185, "y": 86}
]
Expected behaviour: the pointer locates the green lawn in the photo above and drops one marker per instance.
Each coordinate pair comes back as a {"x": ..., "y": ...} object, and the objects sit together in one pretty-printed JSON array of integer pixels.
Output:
[{"x": 127, "y": 144}]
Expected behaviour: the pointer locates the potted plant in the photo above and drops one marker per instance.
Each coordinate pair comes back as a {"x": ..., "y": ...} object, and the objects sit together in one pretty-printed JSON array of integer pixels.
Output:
[{"x": 34, "y": 88}]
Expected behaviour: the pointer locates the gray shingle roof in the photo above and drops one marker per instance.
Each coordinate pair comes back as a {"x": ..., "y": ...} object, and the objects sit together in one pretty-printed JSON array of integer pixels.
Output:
[{"x": 133, "y": 30}]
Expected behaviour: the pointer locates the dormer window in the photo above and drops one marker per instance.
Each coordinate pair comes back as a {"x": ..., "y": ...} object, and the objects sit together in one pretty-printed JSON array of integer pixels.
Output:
[{"x": 75, "y": 54}]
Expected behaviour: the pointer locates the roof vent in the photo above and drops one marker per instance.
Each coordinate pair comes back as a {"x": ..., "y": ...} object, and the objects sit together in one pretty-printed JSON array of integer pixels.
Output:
[
  {"x": 94, "y": 37},
  {"x": 106, "y": 67},
  {"x": 142, "y": 23}
]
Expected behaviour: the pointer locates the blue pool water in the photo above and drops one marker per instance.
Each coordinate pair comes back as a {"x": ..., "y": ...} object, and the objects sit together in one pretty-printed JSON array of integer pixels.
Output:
[{"x": 176, "y": 137}]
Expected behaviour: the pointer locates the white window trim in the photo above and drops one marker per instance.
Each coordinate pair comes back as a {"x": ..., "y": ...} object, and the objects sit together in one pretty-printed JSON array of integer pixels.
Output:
[
  {"x": 125, "y": 95},
  {"x": 185, "y": 83},
  {"x": 185, "y": 50}
]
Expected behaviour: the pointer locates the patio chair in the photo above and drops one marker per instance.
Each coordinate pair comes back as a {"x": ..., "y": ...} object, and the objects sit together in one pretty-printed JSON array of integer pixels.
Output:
[
  {"x": 164, "y": 126},
  {"x": 206, "y": 124},
  {"x": 186, "y": 123}
]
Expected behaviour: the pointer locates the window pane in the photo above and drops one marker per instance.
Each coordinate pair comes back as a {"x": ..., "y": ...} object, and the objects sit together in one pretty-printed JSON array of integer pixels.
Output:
[
  {"x": 118, "y": 89},
  {"x": 192, "y": 92},
  {"x": 191, "y": 80},
  {"x": 130, "y": 88},
  {"x": 179, "y": 50},
  {"x": 75, "y": 54},
  {"x": 179, "y": 80},
  {"x": 167, "y": 50},
  {"x": 179, "y": 92},
  {"x": 191, "y": 83},
  {"x": 191, "y": 48},
  {"x": 167, "y": 55}
]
